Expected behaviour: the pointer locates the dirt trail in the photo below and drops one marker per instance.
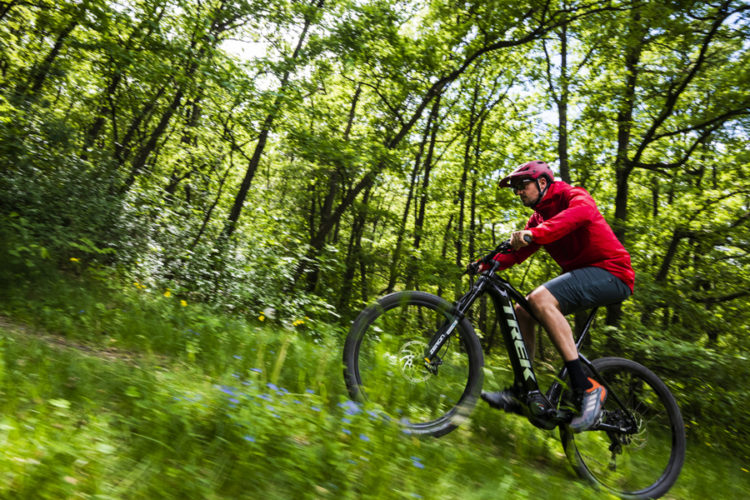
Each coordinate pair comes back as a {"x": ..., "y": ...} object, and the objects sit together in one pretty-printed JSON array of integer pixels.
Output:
[{"x": 24, "y": 332}]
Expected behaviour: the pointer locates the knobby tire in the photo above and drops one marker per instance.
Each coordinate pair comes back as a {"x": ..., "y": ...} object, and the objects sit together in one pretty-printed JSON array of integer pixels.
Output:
[
  {"x": 384, "y": 363},
  {"x": 645, "y": 463}
]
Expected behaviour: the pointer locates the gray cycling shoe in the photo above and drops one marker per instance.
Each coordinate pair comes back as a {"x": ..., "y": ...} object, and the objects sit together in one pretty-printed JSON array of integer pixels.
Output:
[
  {"x": 592, "y": 403},
  {"x": 503, "y": 400}
]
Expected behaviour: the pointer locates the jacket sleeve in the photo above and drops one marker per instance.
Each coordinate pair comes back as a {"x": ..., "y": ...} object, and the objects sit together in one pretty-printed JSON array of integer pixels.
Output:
[
  {"x": 580, "y": 212},
  {"x": 507, "y": 260}
]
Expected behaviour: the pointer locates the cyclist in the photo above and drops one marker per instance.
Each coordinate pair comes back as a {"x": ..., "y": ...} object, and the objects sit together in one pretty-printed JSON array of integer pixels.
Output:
[{"x": 596, "y": 272}]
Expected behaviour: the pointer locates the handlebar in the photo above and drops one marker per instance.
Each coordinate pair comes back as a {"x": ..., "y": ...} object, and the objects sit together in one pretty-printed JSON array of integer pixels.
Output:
[{"x": 503, "y": 247}]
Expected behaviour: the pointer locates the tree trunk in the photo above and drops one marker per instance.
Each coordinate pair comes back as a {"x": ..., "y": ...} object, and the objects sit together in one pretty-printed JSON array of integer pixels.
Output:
[
  {"x": 354, "y": 255},
  {"x": 139, "y": 162},
  {"x": 139, "y": 34},
  {"x": 623, "y": 166},
  {"x": 252, "y": 167},
  {"x": 466, "y": 165},
  {"x": 38, "y": 75},
  {"x": 424, "y": 196},
  {"x": 396, "y": 256},
  {"x": 562, "y": 108}
]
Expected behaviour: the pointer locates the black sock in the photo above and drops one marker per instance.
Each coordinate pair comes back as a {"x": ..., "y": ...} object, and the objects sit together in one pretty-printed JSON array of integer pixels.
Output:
[{"x": 578, "y": 379}]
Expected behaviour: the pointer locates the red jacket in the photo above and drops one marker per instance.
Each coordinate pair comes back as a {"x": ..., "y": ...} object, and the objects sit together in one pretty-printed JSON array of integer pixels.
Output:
[{"x": 573, "y": 231}]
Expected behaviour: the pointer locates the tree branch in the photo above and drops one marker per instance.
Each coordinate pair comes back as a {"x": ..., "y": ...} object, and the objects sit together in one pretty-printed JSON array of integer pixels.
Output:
[
  {"x": 721, "y": 298},
  {"x": 676, "y": 90}
]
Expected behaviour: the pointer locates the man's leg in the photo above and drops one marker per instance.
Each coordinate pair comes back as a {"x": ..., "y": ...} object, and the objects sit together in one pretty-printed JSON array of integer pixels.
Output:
[
  {"x": 547, "y": 309},
  {"x": 527, "y": 324},
  {"x": 506, "y": 399}
]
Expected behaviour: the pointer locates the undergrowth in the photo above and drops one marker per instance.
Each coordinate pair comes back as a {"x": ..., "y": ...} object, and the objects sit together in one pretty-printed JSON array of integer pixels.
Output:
[{"x": 110, "y": 391}]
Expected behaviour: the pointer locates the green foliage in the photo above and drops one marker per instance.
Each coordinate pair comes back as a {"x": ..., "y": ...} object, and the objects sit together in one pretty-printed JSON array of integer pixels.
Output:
[
  {"x": 370, "y": 137},
  {"x": 268, "y": 416}
]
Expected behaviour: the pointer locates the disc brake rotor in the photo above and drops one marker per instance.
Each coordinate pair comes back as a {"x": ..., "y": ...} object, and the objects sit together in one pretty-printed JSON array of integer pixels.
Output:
[{"x": 411, "y": 361}]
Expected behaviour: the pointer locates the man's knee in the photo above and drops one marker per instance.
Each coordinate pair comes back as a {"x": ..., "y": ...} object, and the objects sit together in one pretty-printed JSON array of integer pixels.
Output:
[
  {"x": 542, "y": 299},
  {"x": 521, "y": 313}
]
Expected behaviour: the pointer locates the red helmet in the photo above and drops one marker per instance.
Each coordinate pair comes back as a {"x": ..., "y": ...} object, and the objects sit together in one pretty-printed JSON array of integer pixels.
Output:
[{"x": 531, "y": 170}]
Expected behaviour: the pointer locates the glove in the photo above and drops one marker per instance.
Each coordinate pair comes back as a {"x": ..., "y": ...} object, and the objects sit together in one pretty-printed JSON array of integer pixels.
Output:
[
  {"x": 482, "y": 264},
  {"x": 474, "y": 267}
]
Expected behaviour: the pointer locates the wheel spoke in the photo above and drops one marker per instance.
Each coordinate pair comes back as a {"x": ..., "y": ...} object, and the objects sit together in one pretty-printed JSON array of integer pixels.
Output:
[
  {"x": 385, "y": 363},
  {"x": 639, "y": 464}
]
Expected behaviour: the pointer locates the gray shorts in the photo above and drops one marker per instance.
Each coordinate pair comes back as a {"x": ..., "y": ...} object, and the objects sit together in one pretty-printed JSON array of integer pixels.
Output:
[{"x": 586, "y": 288}]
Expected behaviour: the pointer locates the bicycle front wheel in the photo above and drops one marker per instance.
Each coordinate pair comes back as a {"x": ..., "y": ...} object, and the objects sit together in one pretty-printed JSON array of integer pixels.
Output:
[
  {"x": 644, "y": 461},
  {"x": 384, "y": 363}
]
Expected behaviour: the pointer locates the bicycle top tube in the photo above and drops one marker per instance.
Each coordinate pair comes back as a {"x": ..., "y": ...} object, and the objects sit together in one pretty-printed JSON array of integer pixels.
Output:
[
  {"x": 521, "y": 300},
  {"x": 500, "y": 282}
]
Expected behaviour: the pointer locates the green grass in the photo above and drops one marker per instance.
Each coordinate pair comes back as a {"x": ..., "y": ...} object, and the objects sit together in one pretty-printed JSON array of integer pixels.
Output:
[{"x": 112, "y": 394}]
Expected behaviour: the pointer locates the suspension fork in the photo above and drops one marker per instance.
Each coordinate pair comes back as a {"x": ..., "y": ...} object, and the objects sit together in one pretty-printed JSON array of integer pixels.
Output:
[{"x": 449, "y": 326}]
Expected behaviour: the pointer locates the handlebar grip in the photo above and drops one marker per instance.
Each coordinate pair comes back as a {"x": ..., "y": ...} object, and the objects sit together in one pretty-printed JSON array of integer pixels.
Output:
[{"x": 527, "y": 238}]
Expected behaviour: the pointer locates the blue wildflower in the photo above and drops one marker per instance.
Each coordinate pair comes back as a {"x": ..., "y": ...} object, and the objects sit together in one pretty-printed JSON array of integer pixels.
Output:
[
  {"x": 249, "y": 438},
  {"x": 227, "y": 390},
  {"x": 363, "y": 437},
  {"x": 350, "y": 407}
]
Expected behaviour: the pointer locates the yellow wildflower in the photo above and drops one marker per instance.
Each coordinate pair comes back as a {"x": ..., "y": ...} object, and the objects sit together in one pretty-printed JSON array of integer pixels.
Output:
[
  {"x": 262, "y": 318},
  {"x": 183, "y": 303},
  {"x": 75, "y": 259},
  {"x": 167, "y": 293}
]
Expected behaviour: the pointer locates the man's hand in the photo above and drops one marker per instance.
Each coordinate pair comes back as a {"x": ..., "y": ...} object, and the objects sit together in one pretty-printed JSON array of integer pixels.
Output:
[
  {"x": 473, "y": 268},
  {"x": 518, "y": 240}
]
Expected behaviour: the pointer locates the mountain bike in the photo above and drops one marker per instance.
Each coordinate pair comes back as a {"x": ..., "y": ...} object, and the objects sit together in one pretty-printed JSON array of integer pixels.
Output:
[{"x": 417, "y": 357}]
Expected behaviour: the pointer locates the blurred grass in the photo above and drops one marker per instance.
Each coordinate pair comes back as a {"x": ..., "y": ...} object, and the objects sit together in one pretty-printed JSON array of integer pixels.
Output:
[{"x": 136, "y": 393}]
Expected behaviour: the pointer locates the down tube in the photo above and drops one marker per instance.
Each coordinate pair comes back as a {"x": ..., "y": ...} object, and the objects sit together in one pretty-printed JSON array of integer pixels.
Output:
[{"x": 519, "y": 357}]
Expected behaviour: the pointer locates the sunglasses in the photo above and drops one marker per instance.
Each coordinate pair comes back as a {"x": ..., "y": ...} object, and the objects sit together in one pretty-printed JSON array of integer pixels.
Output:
[{"x": 521, "y": 185}]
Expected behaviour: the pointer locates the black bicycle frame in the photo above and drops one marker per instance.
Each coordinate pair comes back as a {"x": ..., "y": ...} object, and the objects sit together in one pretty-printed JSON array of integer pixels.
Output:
[
  {"x": 541, "y": 409},
  {"x": 502, "y": 294}
]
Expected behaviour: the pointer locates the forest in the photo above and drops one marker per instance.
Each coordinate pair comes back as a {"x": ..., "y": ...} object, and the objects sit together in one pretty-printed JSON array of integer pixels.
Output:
[{"x": 280, "y": 164}]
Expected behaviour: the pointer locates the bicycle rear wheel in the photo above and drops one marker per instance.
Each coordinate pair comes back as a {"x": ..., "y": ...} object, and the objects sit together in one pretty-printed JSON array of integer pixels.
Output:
[
  {"x": 645, "y": 461},
  {"x": 384, "y": 363}
]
